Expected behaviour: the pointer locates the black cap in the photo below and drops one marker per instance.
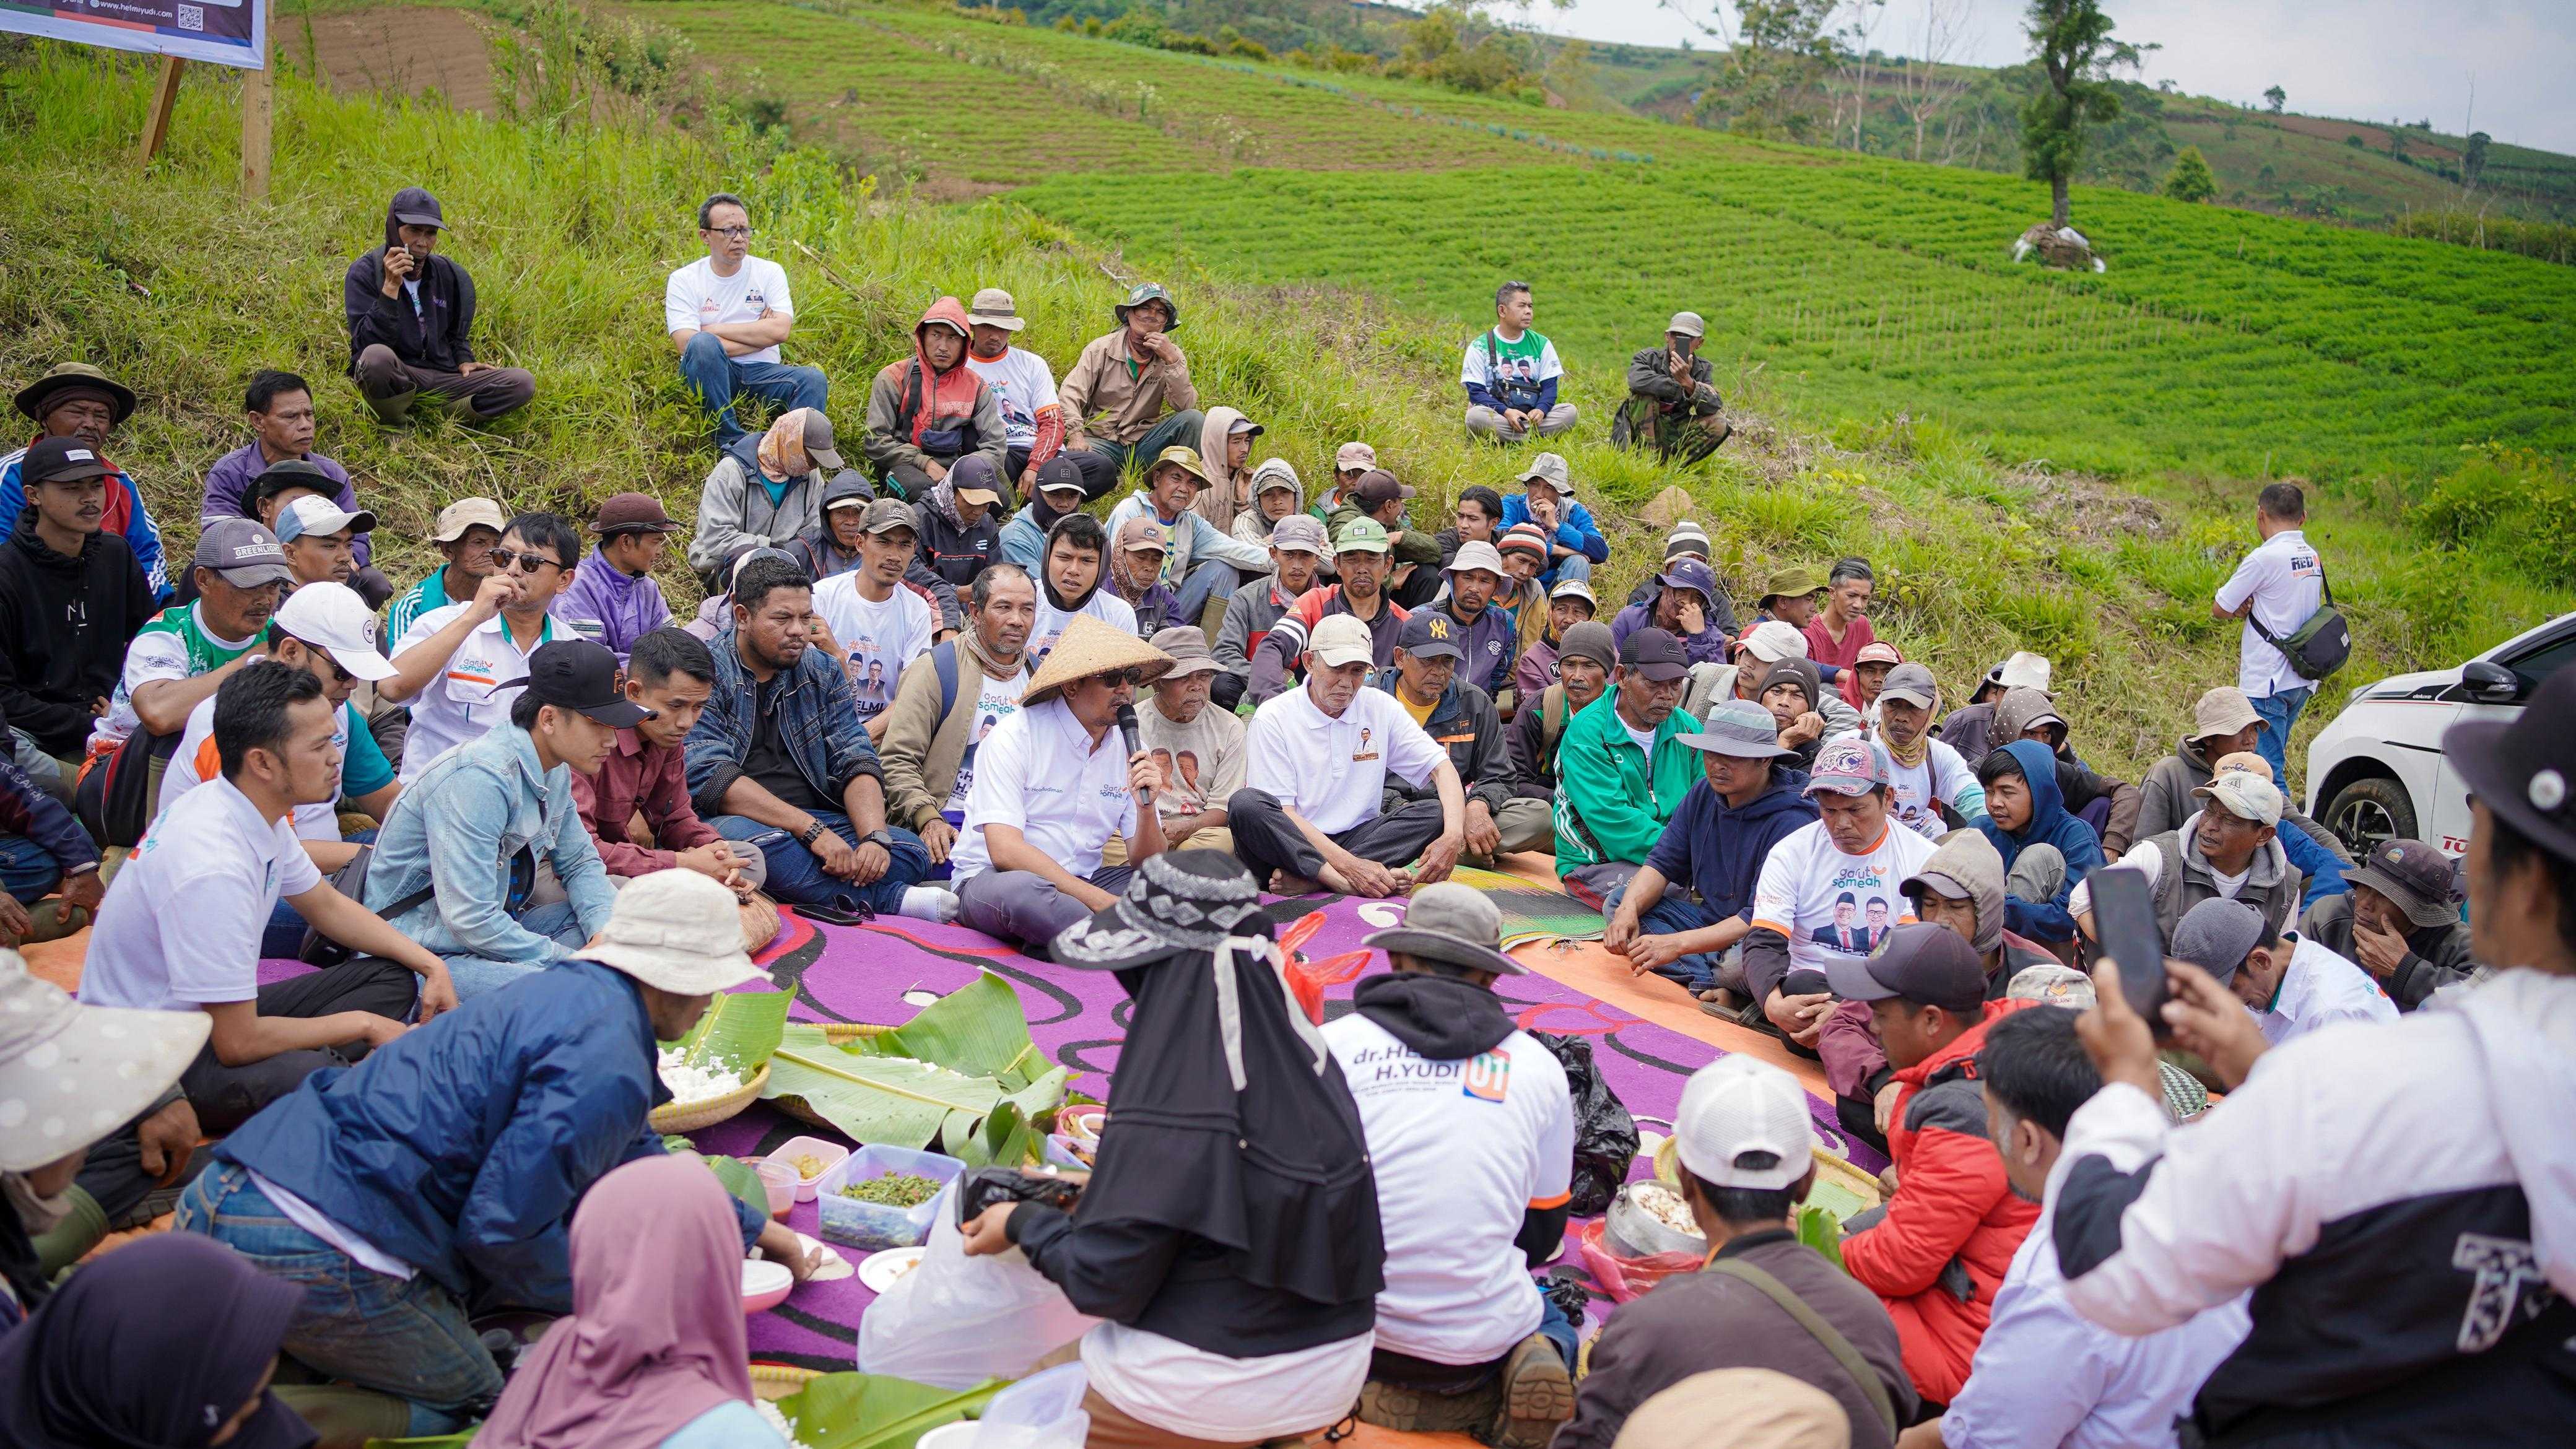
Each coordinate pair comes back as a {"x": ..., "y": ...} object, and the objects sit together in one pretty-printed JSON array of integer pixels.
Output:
[
  {"x": 1655, "y": 654},
  {"x": 2524, "y": 770},
  {"x": 1058, "y": 473},
  {"x": 1920, "y": 962},
  {"x": 581, "y": 676},
  {"x": 1428, "y": 633},
  {"x": 288, "y": 473},
  {"x": 62, "y": 460}
]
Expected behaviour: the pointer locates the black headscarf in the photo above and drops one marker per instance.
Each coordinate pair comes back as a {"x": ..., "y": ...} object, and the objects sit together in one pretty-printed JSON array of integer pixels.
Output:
[
  {"x": 153, "y": 1346},
  {"x": 1274, "y": 1173}
]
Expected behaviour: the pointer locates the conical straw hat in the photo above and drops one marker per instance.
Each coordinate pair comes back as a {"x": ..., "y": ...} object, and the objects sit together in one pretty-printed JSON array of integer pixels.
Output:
[{"x": 1088, "y": 647}]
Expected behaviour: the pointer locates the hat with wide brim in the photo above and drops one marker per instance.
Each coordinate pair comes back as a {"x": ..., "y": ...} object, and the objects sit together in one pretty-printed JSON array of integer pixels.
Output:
[
  {"x": 72, "y": 1074},
  {"x": 1177, "y": 902},
  {"x": 1090, "y": 647},
  {"x": 1144, "y": 293},
  {"x": 34, "y": 398},
  {"x": 678, "y": 931}
]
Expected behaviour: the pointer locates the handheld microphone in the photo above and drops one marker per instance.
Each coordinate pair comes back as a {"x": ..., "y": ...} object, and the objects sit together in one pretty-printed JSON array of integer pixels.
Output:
[{"x": 1127, "y": 733}]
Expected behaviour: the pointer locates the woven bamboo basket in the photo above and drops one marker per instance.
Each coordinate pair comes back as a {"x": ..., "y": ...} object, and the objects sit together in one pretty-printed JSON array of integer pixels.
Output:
[
  {"x": 690, "y": 1116},
  {"x": 774, "y": 1381}
]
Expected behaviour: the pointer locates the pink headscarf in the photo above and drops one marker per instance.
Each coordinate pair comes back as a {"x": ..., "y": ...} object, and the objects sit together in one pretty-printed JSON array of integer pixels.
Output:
[{"x": 656, "y": 1337}]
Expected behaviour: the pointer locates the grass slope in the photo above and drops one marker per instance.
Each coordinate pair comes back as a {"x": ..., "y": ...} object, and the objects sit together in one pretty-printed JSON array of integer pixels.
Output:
[{"x": 172, "y": 283}]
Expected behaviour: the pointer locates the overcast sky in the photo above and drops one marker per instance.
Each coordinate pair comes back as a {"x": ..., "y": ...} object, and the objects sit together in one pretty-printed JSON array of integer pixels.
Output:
[{"x": 2372, "y": 60}]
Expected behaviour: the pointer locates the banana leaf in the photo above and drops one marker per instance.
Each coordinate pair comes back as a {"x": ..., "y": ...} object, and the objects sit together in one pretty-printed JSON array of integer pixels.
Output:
[
  {"x": 872, "y": 1411},
  {"x": 978, "y": 1029},
  {"x": 740, "y": 1029},
  {"x": 892, "y": 1100},
  {"x": 1819, "y": 1229}
]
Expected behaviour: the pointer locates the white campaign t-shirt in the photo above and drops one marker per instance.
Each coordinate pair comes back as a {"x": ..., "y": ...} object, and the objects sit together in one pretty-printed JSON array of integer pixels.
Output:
[
  {"x": 2286, "y": 583},
  {"x": 473, "y": 694},
  {"x": 1943, "y": 777},
  {"x": 1039, "y": 772},
  {"x": 1103, "y": 605},
  {"x": 997, "y": 701},
  {"x": 155, "y": 654},
  {"x": 880, "y": 638},
  {"x": 2320, "y": 989},
  {"x": 1835, "y": 907},
  {"x": 196, "y": 761},
  {"x": 1025, "y": 388},
  {"x": 1333, "y": 771},
  {"x": 696, "y": 298},
  {"x": 181, "y": 923},
  {"x": 1461, "y": 1150}
]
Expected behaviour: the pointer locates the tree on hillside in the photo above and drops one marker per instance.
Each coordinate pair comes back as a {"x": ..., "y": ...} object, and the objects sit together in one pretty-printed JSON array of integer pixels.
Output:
[
  {"x": 1777, "y": 52},
  {"x": 1928, "y": 83},
  {"x": 1854, "y": 55},
  {"x": 2071, "y": 40},
  {"x": 2276, "y": 98},
  {"x": 2473, "y": 161},
  {"x": 2190, "y": 179}
]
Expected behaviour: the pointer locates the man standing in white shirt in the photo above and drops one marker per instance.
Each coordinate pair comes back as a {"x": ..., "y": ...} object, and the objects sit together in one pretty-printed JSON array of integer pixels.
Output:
[
  {"x": 1316, "y": 762},
  {"x": 455, "y": 664},
  {"x": 2274, "y": 589},
  {"x": 1470, "y": 1127},
  {"x": 2291, "y": 984},
  {"x": 874, "y": 625},
  {"x": 1052, "y": 785},
  {"x": 726, "y": 313}
]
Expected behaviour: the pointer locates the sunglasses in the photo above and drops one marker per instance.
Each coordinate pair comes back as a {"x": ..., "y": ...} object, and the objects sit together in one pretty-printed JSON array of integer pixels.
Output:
[
  {"x": 522, "y": 561},
  {"x": 1121, "y": 677}
]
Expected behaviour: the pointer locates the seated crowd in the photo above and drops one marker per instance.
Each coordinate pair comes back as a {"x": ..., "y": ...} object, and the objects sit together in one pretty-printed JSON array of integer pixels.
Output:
[{"x": 516, "y": 811}]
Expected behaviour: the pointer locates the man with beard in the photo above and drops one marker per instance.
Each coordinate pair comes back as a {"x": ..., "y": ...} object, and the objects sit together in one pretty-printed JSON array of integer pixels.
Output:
[
  {"x": 1622, "y": 769},
  {"x": 1075, "y": 583},
  {"x": 780, "y": 762},
  {"x": 1297, "y": 549},
  {"x": 79, "y": 402},
  {"x": 946, "y": 702},
  {"x": 1361, "y": 557},
  {"x": 71, "y": 599}
]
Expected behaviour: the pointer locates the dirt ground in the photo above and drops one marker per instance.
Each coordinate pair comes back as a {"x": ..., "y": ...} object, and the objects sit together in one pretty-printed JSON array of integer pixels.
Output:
[{"x": 402, "y": 50}]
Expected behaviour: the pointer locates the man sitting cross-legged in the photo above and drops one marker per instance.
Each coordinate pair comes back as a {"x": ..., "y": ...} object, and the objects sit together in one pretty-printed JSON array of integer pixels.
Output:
[
  {"x": 1470, "y": 1128},
  {"x": 1317, "y": 759},
  {"x": 1203, "y": 744},
  {"x": 1622, "y": 771},
  {"x": 780, "y": 762},
  {"x": 1460, "y": 716},
  {"x": 1052, "y": 783}
]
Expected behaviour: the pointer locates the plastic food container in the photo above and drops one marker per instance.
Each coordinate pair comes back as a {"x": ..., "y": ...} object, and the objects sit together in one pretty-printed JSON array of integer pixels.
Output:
[
  {"x": 876, "y": 1226},
  {"x": 779, "y": 1181},
  {"x": 827, "y": 1154}
]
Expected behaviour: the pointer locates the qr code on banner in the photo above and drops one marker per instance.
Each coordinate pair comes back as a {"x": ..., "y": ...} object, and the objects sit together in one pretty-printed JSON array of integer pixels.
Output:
[{"x": 192, "y": 17}]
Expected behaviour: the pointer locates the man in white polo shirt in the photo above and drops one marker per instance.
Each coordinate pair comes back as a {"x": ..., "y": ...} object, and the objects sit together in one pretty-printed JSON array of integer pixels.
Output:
[
  {"x": 1316, "y": 760},
  {"x": 455, "y": 665},
  {"x": 2292, "y": 985},
  {"x": 1470, "y": 1126},
  {"x": 1053, "y": 782},
  {"x": 2274, "y": 590}
]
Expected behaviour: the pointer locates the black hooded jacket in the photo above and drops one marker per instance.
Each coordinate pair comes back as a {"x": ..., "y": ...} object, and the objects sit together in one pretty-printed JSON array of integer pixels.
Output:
[
  {"x": 435, "y": 337},
  {"x": 64, "y": 626}
]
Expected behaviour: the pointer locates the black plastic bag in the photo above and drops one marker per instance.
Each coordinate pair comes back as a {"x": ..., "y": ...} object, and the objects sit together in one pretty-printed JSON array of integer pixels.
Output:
[
  {"x": 1605, "y": 1136},
  {"x": 981, "y": 1187}
]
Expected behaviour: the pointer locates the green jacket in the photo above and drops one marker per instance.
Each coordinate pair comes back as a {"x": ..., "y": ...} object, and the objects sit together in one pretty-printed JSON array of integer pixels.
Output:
[{"x": 1611, "y": 802}]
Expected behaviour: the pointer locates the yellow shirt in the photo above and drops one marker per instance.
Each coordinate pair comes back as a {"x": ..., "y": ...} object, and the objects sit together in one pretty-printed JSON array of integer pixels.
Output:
[{"x": 1421, "y": 712}]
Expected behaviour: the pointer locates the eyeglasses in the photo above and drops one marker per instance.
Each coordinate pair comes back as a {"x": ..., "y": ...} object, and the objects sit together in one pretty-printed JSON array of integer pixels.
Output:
[
  {"x": 523, "y": 562},
  {"x": 729, "y": 233},
  {"x": 1121, "y": 677}
]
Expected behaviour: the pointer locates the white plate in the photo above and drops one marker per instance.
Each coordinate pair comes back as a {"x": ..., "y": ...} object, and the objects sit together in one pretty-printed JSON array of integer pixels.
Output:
[{"x": 879, "y": 1271}]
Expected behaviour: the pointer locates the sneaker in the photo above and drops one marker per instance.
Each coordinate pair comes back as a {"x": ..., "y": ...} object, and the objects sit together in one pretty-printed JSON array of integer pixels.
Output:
[
  {"x": 1415, "y": 1411},
  {"x": 1538, "y": 1395}
]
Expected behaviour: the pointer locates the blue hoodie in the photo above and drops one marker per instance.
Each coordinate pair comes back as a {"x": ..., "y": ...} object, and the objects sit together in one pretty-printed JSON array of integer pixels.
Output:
[
  {"x": 1718, "y": 850},
  {"x": 2050, "y": 824}
]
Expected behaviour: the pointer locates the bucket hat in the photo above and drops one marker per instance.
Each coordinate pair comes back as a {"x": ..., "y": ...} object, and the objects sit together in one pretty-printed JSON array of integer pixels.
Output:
[
  {"x": 1176, "y": 902},
  {"x": 678, "y": 931},
  {"x": 1143, "y": 293},
  {"x": 1453, "y": 924},
  {"x": 71, "y": 1074},
  {"x": 75, "y": 379}
]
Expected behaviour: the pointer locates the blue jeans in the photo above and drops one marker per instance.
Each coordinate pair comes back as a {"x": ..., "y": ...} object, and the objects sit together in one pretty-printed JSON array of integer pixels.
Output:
[
  {"x": 2279, "y": 712},
  {"x": 796, "y": 877},
  {"x": 1556, "y": 1328},
  {"x": 27, "y": 870},
  {"x": 1672, "y": 915},
  {"x": 404, "y": 1337},
  {"x": 1212, "y": 579},
  {"x": 715, "y": 378},
  {"x": 1576, "y": 567},
  {"x": 474, "y": 976}
]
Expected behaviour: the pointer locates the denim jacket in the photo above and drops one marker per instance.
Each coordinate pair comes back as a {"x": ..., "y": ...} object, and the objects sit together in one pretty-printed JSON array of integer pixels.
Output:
[
  {"x": 818, "y": 723},
  {"x": 461, "y": 824}
]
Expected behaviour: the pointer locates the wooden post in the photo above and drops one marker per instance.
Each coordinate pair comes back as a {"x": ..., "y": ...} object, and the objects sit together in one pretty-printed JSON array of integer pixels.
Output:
[
  {"x": 156, "y": 121},
  {"x": 258, "y": 95}
]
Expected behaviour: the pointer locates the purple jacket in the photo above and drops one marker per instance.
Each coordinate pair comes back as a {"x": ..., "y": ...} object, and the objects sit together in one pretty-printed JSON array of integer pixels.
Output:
[
  {"x": 1708, "y": 646},
  {"x": 623, "y": 609},
  {"x": 229, "y": 480}
]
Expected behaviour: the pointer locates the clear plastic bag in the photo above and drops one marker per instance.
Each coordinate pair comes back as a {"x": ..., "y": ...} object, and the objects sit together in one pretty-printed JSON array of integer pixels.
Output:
[
  {"x": 957, "y": 1321},
  {"x": 1042, "y": 1411}
]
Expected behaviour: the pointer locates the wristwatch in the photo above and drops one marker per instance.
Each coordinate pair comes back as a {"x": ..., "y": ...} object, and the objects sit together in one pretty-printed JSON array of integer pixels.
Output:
[
  {"x": 881, "y": 838},
  {"x": 810, "y": 834}
]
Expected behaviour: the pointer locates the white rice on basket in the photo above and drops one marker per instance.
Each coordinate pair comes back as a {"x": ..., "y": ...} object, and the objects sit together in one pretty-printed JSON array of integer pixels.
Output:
[{"x": 690, "y": 1083}]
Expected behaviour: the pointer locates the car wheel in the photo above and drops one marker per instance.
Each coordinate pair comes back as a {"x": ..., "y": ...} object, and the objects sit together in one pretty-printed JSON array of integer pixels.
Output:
[{"x": 2366, "y": 812}]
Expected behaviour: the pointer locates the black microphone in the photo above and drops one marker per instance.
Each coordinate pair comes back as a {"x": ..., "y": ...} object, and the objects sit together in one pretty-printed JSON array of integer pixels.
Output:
[{"x": 1127, "y": 732}]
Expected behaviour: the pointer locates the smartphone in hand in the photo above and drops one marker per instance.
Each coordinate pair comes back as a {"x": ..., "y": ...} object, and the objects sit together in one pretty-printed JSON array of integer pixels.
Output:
[{"x": 2124, "y": 921}]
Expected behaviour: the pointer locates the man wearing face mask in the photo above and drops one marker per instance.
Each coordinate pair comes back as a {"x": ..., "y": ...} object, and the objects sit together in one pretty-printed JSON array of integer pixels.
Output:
[{"x": 411, "y": 313}]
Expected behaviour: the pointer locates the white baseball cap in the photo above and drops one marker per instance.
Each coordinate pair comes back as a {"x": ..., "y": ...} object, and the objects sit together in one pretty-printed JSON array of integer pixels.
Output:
[
  {"x": 314, "y": 514},
  {"x": 1773, "y": 640},
  {"x": 1341, "y": 639},
  {"x": 332, "y": 618},
  {"x": 679, "y": 931},
  {"x": 1737, "y": 1105}
]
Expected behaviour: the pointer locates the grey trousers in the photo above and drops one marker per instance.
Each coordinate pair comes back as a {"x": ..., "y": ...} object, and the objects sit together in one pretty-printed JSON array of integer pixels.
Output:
[
  {"x": 1266, "y": 839},
  {"x": 391, "y": 385},
  {"x": 2038, "y": 874},
  {"x": 1024, "y": 906},
  {"x": 1525, "y": 824},
  {"x": 1484, "y": 422}
]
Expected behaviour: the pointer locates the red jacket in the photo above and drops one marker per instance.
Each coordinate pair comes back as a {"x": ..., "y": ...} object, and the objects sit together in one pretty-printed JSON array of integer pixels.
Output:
[{"x": 1952, "y": 1206}]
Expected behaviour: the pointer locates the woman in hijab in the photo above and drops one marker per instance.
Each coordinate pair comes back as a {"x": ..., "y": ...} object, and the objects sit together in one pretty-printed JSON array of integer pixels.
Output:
[
  {"x": 1229, "y": 1234},
  {"x": 1225, "y": 449},
  {"x": 653, "y": 1354},
  {"x": 168, "y": 1343}
]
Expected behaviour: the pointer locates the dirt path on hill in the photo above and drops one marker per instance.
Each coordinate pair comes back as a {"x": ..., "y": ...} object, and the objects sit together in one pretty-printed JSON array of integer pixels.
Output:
[{"x": 407, "y": 50}]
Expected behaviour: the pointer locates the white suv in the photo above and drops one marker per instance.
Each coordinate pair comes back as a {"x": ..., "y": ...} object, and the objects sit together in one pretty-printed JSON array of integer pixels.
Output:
[{"x": 2378, "y": 773}]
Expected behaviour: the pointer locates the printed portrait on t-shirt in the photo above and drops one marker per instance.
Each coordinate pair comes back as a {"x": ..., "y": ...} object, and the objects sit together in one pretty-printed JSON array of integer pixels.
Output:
[
  {"x": 1877, "y": 917},
  {"x": 1865, "y": 909},
  {"x": 1189, "y": 763}
]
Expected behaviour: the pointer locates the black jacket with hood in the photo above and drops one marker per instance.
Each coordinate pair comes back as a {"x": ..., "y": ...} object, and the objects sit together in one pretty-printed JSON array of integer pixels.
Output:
[
  {"x": 64, "y": 627},
  {"x": 435, "y": 337}
]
